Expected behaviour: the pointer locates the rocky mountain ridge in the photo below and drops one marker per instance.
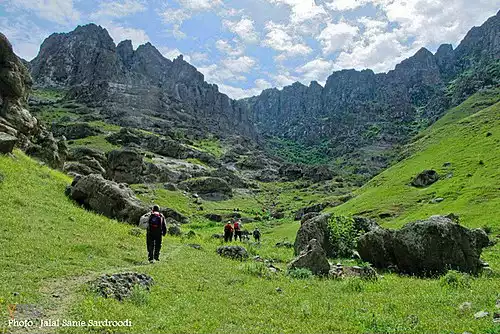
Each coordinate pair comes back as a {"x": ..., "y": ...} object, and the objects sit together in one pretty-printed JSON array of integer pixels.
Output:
[{"x": 356, "y": 120}]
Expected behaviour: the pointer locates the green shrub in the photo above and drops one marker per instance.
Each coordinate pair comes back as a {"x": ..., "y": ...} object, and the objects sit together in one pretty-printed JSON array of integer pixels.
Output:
[
  {"x": 300, "y": 273},
  {"x": 257, "y": 269},
  {"x": 343, "y": 235},
  {"x": 454, "y": 279},
  {"x": 139, "y": 296}
]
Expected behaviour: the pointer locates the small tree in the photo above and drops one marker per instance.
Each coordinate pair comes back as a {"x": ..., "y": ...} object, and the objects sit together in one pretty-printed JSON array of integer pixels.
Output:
[{"x": 343, "y": 235}]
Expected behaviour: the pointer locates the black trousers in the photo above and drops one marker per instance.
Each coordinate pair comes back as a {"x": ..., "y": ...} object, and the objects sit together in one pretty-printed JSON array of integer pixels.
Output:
[
  {"x": 237, "y": 234},
  {"x": 153, "y": 241},
  {"x": 228, "y": 236}
]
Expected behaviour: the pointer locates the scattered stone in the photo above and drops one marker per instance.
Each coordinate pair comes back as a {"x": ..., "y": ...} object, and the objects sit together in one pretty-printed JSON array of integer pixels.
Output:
[
  {"x": 191, "y": 234},
  {"x": 279, "y": 290},
  {"x": 278, "y": 215},
  {"x": 170, "y": 186},
  {"x": 195, "y": 246},
  {"x": 233, "y": 252},
  {"x": 497, "y": 304},
  {"x": 489, "y": 134},
  {"x": 174, "y": 230},
  {"x": 312, "y": 258},
  {"x": 284, "y": 244},
  {"x": 465, "y": 306},
  {"x": 217, "y": 236},
  {"x": 496, "y": 317},
  {"x": 7, "y": 143},
  {"x": 120, "y": 286},
  {"x": 437, "y": 200},
  {"x": 447, "y": 164},
  {"x": 213, "y": 217},
  {"x": 425, "y": 248},
  {"x": 425, "y": 179},
  {"x": 481, "y": 314},
  {"x": 366, "y": 272},
  {"x": 15, "y": 294}
]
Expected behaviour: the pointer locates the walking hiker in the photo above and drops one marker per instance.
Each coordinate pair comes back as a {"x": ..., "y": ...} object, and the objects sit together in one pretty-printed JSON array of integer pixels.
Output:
[
  {"x": 237, "y": 229},
  {"x": 228, "y": 232},
  {"x": 256, "y": 234},
  {"x": 156, "y": 230}
]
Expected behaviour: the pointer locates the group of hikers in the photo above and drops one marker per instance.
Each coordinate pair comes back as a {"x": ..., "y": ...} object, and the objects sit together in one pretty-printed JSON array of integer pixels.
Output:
[
  {"x": 235, "y": 228},
  {"x": 157, "y": 229}
]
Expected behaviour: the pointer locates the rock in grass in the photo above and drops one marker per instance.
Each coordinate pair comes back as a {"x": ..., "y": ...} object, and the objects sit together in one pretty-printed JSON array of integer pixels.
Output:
[
  {"x": 312, "y": 258},
  {"x": 425, "y": 179},
  {"x": 174, "y": 229},
  {"x": 120, "y": 286},
  {"x": 465, "y": 306},
  {"x": 233, "y": 252},
  {"x": 425, "y": 248},
  {"x": 7, "y": 143},
  {"x": 481, "y": 314}
]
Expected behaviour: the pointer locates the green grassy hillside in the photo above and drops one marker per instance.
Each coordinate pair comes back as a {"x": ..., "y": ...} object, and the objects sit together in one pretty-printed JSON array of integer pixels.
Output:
[
  {"x": 51, "y": 248},
  {"x": 464, "y": 148}
]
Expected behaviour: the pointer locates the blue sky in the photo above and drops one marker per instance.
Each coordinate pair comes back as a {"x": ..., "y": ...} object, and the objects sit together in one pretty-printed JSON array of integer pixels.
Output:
[{"x": 246, "y": 46}]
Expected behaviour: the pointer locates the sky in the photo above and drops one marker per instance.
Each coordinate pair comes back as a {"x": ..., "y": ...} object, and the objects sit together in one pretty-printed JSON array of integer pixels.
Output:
[{"x": 246, "y": 46}]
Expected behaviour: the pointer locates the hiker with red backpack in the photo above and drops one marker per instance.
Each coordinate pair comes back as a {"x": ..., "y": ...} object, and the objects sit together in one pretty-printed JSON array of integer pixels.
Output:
[
  {"x": 156, "y": 230},
  {"x": 237, "y": 229},
  {"x": 228, "y": 232}
]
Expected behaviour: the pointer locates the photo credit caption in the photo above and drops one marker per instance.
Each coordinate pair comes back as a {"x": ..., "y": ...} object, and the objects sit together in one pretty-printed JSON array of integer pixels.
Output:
[{"x": 47, "y": 323}]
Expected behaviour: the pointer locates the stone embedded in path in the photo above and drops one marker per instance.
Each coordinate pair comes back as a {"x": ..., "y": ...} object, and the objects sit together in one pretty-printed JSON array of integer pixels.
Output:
[{"x": 120, "y": 286}]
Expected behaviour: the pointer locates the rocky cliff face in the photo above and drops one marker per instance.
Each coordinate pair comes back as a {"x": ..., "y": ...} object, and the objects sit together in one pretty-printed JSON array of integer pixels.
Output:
[
  {"x": 360, "y": 115},
  {"x": 17, "y": 125},
  {"x": 137, "y": 88}
]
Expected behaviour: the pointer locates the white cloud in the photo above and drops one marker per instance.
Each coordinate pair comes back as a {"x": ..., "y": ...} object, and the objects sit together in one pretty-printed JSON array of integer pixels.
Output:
[
  {"x": 227, "y": 48},
  {"x": 58, "y": 11},
  {"x": 318, "y": 69},
  {"x": 240, "y": 93},
  {"x": 118, "y": 9},
  {"x": 302, "y": 10},
  {"x": 219, "y": 74},
  {"x": 344, "y": 5},
  {"x": 173, "y": 53},
  {"x": 243, "y": 64},
  {"x": 200, "y": 4},
  {"x": 278, "y": 38},
  {"x": 176, "y": 16},
  {"x": 244, "y": 28},
  {"x": 120, "y": 33},
  {"x": 25, "y": 36},
  {"x": 337, "y": 36},
  {"x": 198, "y": 57}
]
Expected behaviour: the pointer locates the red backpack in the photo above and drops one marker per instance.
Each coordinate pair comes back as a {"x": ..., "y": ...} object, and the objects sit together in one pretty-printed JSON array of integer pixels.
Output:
[{"x": 237, "y": 226}]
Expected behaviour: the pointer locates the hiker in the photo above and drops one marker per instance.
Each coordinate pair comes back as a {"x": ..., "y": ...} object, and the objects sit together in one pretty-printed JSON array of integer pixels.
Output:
[
  {"x": 237, "y": 229},
  {"x": 256, "y": 234},
  {"x": 156, "y": 230},
  {"x": 228, "y": 232}
]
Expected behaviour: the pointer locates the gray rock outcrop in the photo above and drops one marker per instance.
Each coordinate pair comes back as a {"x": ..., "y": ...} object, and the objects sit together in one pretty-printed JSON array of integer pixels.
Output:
[{"x": 313, "y": 257}]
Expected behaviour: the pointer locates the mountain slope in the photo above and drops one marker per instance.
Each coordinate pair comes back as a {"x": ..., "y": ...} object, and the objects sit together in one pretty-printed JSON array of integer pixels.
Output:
[
  {"x": 359, "y": 117},
  {"x": 464, "y": 148},
  {"x": 137, "y": 88}
]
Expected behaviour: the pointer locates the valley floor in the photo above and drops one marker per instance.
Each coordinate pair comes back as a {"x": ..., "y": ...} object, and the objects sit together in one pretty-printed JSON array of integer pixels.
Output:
[{"x": 51, "y": 248}]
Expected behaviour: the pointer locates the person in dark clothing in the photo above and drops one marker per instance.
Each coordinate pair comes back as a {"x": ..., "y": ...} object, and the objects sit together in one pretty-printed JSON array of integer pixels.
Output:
[
  {"x": 256, "y": 235},
  {"x": 228, "y": 232},
  {"x": 156, "y": 230}
]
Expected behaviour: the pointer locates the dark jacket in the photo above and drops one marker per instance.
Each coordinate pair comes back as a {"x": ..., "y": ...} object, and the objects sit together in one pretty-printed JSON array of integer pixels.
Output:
[{"x": 163, "y": 224}]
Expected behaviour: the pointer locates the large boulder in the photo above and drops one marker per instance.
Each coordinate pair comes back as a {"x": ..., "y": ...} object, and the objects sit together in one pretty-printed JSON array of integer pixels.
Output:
[
  {"x": 315, "y": 228},
  {"x": 75, "y": 130},
  {"x": 211, "y": 188},
  {"x": 318, "y": 173},
  {"x": 313, "y": 257},
  {"x": 85, "y": 161},
  {"x": 291, "y": 172},
  {"x": 425, "y": 179},
  {"x": 7, "y": 143},
  {"x": 108, "y": 198},
  {"x": 125, "y": 166},
  {"x": 425, "y": 248}
]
